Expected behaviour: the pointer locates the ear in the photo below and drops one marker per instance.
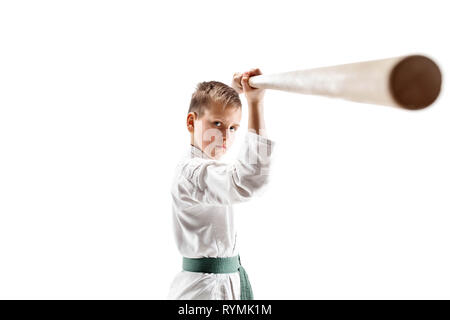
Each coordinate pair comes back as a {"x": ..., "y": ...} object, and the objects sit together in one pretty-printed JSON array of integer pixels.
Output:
[{"x": 190, "y": 121}]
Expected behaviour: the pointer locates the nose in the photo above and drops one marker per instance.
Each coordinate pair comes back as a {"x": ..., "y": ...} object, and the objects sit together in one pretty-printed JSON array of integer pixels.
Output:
[{"x": 224, "y": 134}]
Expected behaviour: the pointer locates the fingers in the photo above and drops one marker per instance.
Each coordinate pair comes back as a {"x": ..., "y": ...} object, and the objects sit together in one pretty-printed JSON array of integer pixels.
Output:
[
  {"x": 254, "y": 72},
  {"x": 236, "y": 83},
  {"x": 245, "y": 86},
  {"x": 240, "y": 80}
]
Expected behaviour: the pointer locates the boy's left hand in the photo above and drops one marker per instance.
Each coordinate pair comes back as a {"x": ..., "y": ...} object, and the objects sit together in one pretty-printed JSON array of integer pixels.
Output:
[{"x": 241, "y": 85}]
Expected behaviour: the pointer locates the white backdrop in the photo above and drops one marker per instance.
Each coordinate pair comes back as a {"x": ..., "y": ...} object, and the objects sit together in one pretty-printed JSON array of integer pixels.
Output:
[{"x": 93, "y": 100}]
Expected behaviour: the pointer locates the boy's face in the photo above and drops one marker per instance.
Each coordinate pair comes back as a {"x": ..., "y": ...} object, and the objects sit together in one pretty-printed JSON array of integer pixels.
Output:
[{"x": 214, "y": 132}]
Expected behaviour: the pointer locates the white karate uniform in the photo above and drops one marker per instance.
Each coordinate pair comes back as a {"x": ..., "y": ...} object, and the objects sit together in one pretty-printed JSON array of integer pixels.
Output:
[{"x": 203, "y": 192}]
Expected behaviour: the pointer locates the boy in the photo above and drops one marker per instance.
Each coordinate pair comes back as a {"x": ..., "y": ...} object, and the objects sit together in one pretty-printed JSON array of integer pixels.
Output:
[{"x": 205, "y": 188}]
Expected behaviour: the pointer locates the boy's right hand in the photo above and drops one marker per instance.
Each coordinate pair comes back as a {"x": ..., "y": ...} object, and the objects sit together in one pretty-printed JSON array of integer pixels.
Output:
[{"x": 241, "y": 85}]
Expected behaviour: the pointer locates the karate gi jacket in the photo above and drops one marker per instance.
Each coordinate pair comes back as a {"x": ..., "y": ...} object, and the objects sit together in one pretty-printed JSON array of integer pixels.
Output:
[{"x": 204, "y": 191}]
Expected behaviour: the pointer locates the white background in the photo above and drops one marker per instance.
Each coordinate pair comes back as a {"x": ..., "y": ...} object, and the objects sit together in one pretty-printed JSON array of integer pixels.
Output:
[{"x": 93, "y": 101}]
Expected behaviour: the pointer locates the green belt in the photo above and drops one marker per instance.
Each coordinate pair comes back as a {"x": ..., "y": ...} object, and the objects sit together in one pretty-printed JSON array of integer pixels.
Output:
[{"x": 221, "y": 265}]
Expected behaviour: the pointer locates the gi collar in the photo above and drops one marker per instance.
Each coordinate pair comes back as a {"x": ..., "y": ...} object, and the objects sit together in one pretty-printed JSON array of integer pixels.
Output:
[{"x": 197, "y": 153}]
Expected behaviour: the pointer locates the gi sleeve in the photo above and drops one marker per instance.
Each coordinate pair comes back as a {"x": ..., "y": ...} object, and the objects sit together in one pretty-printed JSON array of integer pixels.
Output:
[{"x": 218, "y": 183}]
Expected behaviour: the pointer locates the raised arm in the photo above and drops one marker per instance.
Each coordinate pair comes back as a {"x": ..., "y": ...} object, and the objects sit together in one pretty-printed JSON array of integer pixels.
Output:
[{"x": 255, "y": 100}]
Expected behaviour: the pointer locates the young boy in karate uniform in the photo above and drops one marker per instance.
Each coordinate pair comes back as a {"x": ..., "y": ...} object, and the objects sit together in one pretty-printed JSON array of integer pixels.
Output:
[{"x": 204, "y": 189}]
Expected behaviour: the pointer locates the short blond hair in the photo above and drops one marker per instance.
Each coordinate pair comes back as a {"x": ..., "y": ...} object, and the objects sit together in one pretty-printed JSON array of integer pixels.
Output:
[{"x": 209, "y": 92}]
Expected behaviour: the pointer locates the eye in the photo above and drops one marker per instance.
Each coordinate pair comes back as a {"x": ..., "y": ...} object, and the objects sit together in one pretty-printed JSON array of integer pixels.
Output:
[
  {"x": 219, "y": 123},
  {"x": 233, "y": 128}
]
